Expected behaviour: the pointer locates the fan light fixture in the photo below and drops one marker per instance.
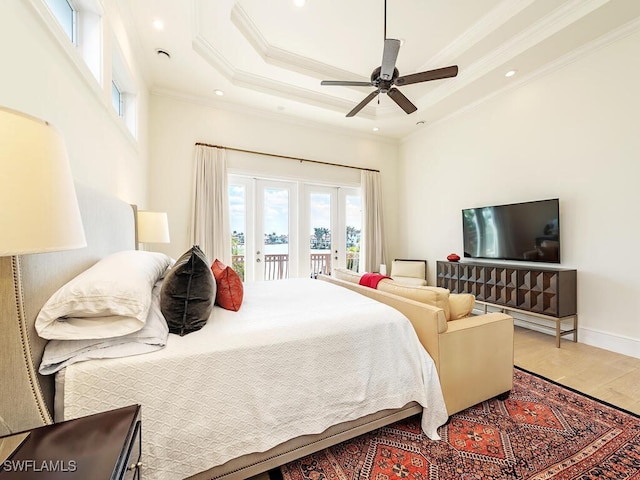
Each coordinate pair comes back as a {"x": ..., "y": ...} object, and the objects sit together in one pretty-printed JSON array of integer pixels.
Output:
[{"x": 386, "y": 77}]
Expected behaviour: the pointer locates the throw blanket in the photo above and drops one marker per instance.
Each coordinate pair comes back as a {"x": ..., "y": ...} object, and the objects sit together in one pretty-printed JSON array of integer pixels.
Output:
[
  {"x": 372, "y": 279},
  {"x": 153, "y": 336}
]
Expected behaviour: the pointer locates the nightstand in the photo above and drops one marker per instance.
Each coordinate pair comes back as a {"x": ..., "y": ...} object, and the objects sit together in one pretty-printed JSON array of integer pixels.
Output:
[{"x": 104, "y": 446}]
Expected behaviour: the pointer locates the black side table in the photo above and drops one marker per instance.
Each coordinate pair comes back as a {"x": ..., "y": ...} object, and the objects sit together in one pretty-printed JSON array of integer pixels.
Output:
[{"x": 104, "y": 446}]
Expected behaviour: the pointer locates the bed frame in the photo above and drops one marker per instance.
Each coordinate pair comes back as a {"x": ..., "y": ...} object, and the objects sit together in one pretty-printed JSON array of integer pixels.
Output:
[{"x": 26, "y": 282}]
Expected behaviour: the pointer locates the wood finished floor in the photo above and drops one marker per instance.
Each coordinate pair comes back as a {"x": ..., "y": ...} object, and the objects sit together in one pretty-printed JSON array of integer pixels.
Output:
[{"x": 608, "y": 376}]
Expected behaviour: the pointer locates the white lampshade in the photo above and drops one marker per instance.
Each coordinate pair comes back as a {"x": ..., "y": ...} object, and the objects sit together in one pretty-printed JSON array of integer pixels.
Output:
[
  {"x": 38, "y": 205},
  {"x": 153, "y": 227}
]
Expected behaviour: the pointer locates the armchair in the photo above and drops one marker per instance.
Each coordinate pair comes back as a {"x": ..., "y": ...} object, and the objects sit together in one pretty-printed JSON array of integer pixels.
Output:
[{"x": 409, "y": 272}]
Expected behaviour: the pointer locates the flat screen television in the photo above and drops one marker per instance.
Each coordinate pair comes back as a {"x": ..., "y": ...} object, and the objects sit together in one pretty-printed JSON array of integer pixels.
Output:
[{"x": 528, "y": 231}]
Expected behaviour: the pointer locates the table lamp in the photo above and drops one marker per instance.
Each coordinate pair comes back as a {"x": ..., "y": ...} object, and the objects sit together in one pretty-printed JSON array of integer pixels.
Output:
[
  {"x": 38, "y": 206},
  {"x": 153, "y": 227}
]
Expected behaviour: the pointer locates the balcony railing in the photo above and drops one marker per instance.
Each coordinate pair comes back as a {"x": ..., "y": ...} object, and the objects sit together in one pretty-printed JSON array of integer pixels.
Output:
[
  {"x": 320, "y": 264},
  {"x": 276, "y": 266}
]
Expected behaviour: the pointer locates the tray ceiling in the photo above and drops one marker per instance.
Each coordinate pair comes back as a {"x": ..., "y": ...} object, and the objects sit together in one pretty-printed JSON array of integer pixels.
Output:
[{"x": 269, "y": 57}]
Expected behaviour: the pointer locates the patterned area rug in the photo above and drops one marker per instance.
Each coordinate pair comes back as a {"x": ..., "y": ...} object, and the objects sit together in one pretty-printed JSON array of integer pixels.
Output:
[{"x": 542, "y": 431}]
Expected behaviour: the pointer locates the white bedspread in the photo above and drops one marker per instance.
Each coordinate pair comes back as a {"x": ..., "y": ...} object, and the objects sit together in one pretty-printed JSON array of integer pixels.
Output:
[{"x": 300, "y": 355}]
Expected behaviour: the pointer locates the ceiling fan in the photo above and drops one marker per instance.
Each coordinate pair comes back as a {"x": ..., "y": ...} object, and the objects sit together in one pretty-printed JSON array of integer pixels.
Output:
[{"x": 385, "y": 77}]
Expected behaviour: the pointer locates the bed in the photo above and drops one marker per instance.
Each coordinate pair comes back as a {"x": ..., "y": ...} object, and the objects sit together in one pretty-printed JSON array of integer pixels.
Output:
[{"x": 196, "y": 414}]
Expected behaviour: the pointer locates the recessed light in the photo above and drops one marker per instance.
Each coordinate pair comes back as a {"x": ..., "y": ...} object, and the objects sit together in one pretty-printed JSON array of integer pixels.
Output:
[
  {"x": 163, "y": 53},
  {"x": 299, "y": 3},
  {"x": 218, "y": 92},
  {"x": 158, "y": 24},
  {"x": 375, "y": 129},
  {"x": 510, "y": 73}
]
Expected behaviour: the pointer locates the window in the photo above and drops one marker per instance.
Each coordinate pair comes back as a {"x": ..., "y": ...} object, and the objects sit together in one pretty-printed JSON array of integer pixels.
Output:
[
  {"x": 238, "y": 218},
  {"x": 81, "y": 21},
  {"x": 116, "y": 98},
  {"x": 123, "y": 96},
  {"x": 77, "y": 25},
  {"x": 66, "y": 16}
]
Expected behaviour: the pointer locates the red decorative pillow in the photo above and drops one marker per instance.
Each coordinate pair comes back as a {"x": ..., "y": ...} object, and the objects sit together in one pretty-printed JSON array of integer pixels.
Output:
[{"x": 230, "y": 291}]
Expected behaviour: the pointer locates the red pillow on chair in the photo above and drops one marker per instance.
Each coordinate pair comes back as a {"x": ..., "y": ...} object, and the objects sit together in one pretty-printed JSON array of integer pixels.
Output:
[{"x": 230, "y": 290}]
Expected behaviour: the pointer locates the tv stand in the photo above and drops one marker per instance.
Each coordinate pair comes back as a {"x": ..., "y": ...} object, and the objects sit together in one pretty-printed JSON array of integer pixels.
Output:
[{"x": 544, "y": 293}]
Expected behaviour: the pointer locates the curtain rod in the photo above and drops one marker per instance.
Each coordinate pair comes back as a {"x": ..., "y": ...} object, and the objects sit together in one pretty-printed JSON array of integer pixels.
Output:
[{"x": 287, "y": 157}]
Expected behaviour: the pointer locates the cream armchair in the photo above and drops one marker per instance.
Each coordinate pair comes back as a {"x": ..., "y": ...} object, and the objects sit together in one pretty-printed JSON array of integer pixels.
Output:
[
  {"x": 409, "y": 272},
  {"x": 473, "y": 354}
]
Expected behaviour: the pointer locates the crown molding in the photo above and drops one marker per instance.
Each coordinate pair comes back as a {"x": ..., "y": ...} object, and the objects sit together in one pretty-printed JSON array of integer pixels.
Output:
[
  {"x": 280, "y": 117},
  {"x": 273, "y": 87},
  {"x": 552, "y": 23},
  {"x": 477, "y": 32},
  {"x": 285, "y": 58},
  {"x": 565, "y": 14},
  {"x": 585, "y": 50}
]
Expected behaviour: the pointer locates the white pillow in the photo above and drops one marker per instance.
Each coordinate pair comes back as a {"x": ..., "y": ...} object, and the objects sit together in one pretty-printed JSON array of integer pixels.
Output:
[
  {"x": 59, "y": 354},
  {"x": 110, "y": 299}
]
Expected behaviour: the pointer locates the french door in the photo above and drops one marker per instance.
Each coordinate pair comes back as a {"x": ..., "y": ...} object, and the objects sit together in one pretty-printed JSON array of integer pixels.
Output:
[
  {"x": 332, "y": 220},
  {"x": 274, "y": 232},
  {"x": 283, "y": 229}
]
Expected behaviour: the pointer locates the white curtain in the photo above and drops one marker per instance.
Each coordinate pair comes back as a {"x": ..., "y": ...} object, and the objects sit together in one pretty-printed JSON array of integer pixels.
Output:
[
  {"x": 373, "y": 248},
  {"x": 210, "y": 228}
]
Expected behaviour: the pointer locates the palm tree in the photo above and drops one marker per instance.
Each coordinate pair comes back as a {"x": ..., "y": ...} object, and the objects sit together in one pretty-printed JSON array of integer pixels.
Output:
[{"x": 321, "y": 238}]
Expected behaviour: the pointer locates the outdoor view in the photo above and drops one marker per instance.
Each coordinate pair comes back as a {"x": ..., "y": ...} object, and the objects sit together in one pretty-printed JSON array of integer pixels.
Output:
[{"x": 275, "y": 238}]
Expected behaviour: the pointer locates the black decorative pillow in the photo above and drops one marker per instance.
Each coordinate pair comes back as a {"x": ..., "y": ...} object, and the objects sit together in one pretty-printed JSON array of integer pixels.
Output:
[{"x": 188, "y": 293}]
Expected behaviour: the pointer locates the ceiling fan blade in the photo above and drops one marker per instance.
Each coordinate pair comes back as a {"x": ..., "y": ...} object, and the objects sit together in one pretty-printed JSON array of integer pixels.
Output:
[
  {"x": 389, "y": 57},
  {"x": 404, "y": 103},
  {"x": 345, "y": 83},
  {"x": 446, "y": 72},
  {"x": 362, "y": 104}
]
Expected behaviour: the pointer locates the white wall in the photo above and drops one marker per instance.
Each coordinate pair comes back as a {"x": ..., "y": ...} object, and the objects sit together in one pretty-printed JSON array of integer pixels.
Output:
[
  {"x": 177, "y": 124},
  {"x": 39, "y": 77},
  {"x": 572, "y": 134}
]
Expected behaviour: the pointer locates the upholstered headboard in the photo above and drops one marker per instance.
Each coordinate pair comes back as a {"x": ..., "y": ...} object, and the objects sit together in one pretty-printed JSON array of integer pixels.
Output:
[{"x": 26, "y": 282}]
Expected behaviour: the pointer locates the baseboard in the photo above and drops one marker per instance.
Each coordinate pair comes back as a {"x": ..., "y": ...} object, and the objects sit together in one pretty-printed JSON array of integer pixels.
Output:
[
  {"x": 589, "y": 336},
  {"x": 609, "y": 341}
]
